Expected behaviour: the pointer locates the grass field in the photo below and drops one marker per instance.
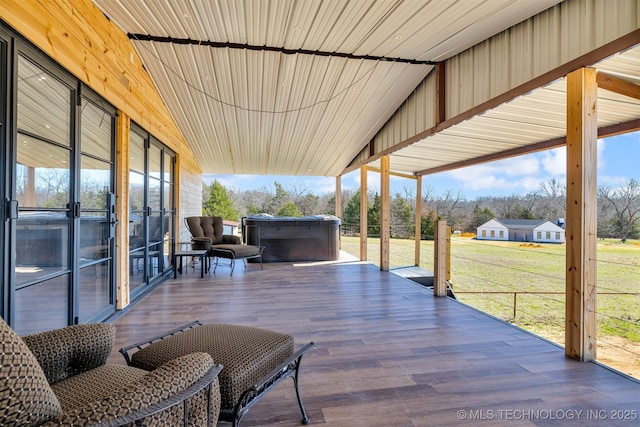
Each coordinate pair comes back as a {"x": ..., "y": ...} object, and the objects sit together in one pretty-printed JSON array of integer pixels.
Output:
[{"x": 525, "y": 284}]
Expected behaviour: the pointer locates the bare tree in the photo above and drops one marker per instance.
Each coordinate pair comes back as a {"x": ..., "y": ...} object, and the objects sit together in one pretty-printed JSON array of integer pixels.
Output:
[
  {"x": 553, "y": 199},
  {"x": 447, "y": 206},
  {"x": 625, "y": 202}
]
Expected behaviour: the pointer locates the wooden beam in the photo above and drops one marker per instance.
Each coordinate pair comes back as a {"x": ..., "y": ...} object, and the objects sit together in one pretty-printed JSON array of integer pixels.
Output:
[
  {"x": 617, "y": 85},
  {"x": 398, "y": 174},
  {"x": 440, "y": 259},
  {"x": 364, "y": 202},
  {"x": 418, "y": 221},
  {"x": 625, "y": 42},
  {"x": 123, "y": 128},
  {"x": 603, "y": 132},
  {"x": 582, "y": 137},
  {"x": 518, "y": 151},
  {"x": 385, "y": 213}
]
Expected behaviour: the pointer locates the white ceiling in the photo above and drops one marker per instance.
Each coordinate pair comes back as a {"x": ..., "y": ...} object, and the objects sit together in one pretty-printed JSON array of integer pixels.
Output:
[{"x": 245, "y": 111}]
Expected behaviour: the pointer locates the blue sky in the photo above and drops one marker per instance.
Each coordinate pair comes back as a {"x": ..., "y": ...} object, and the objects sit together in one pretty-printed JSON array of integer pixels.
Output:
[{"x": 618, "y": 160}]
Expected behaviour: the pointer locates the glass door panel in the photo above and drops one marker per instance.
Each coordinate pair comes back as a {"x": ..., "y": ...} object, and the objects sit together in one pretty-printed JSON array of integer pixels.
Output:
[
  {"x": 43, "y": 229},
  {"x": 156, "y": 226},
  {"x": 137, "y": 212},
  {"x": 152, "y": 210},
  {"x": 167, "y": 208},
  {"x": 97, "y": 213},
  {"x": 44, "y": 104},
  {"x": 42, "y": 306},
  {"x": 42, "y": 246},
  {"x": 43, "y": 177},
  {"x": 96, "y": 239}
]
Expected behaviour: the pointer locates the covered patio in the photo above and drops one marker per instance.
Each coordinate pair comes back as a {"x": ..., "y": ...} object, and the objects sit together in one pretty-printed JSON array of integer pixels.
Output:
[
  {"x": 388, "y": 352},
  {"x": 149, "y": 96}
]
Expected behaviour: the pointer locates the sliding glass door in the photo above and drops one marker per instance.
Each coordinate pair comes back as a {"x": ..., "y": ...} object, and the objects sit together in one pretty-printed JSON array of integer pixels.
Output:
[
  {"x": 152, "y": 212},
  {"x": 61, "y": 208}
]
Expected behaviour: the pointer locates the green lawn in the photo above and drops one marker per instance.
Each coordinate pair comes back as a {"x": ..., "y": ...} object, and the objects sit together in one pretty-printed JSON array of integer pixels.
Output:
[{"x": 494, "y": 276}]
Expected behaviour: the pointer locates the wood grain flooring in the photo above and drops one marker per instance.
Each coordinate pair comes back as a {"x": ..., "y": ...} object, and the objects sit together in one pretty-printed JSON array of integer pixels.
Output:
[{"x": 388, "y": 353}]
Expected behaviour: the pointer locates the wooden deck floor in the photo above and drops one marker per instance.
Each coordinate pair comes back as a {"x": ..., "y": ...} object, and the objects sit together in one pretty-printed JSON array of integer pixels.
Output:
[{"x": 388, "y": 353}]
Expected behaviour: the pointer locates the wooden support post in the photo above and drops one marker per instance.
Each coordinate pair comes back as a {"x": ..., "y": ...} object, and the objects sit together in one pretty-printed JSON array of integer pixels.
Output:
[
  {"x": 385, "y": 213},
  {"x": 441, "y": 258},
  {"x": 582, "y": 135},
  {"x": 364, "y": 204},
  {"x": 123, "y": 127},
  {"x": 418, "y": 223},
  {"x": 338, "y": 210}
]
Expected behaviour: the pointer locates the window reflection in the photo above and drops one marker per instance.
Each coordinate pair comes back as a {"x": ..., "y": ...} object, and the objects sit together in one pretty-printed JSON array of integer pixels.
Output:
[
  {"x": 44, "y": 104},
  {"x": 42, "y": 174},
  {"x": 42, "y": 245},
  {"x": 94, "y": 237},
  {"x": 94, "y": 289},
  {"x": 96, "y": 132},
  {"x": 43, "y": 306},
  {"x": 95, "y": 183}
]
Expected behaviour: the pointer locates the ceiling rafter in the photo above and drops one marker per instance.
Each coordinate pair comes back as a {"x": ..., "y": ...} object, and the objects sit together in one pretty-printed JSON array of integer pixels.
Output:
[
  {"x": 164, "y": 39},
  {"x": 603, "y": 132},
  {"x": 616, "y": 84}
]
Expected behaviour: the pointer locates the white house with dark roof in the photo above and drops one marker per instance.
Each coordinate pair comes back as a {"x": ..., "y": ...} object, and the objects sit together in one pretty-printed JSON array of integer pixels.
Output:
[{"x": 521, "y": 230}]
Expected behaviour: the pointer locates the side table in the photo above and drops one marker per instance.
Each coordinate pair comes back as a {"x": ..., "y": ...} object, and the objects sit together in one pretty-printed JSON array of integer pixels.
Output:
[{"x": 203, "y": 254}]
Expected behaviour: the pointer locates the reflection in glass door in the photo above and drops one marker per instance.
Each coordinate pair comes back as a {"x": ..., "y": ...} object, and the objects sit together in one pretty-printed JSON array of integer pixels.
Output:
[
  {"x": 156, "y": 226},
  {"x": 97, "y": 213},
  {"x": 137, "y": 212},
  {"x": 152, "y": 210},
  {"x": 62, "y": 272},
  {"x": 42, "y": 271}
]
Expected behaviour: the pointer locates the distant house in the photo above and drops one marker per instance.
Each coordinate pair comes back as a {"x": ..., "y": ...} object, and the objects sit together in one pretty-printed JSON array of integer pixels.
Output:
[
  {"x": 230, "y": 227},
  {"x": 521, "y": 230}
]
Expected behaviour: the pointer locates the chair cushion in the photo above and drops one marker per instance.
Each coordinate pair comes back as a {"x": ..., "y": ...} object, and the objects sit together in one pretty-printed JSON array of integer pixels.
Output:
[
  {"x": 206, "y": 226},
  {"x": 238, "y": 251},
  {"x": 248, "y": 354},
  {"x": 25, "y": 395},
  {"x": 65, "y": 352},
  {"x": 93, "y": 385}
]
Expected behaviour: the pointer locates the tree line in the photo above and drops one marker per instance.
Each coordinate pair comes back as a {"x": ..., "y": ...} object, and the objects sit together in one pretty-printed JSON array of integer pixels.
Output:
[{"x": 618, "y": 208}]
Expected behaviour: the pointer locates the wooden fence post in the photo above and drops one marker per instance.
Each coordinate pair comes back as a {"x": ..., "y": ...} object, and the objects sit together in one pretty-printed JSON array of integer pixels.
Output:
[{"x": 441, "y": 258}]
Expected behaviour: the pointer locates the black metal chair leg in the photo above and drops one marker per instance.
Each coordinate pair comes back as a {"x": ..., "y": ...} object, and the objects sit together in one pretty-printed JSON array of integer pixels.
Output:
[{"x": 305, "y": 417}]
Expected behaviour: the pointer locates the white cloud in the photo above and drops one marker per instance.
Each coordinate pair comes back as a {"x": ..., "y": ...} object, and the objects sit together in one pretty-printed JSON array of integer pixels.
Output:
[
  {"x": 600, "y": 158},
  {"x": 504, "y": 175},
  {"x": 612, "y": 181},
  {"x": 555, "y": 161}
]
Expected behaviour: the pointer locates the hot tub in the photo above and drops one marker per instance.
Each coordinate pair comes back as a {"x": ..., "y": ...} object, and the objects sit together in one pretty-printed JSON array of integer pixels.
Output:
[{"x": 309, "y": 238}]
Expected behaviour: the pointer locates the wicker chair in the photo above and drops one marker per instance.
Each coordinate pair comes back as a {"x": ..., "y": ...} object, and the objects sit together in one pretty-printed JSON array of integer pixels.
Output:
[
  {"x": 207, "y": 233},
  {"x": 255, "y": 360},
  {"x": 61, "y": 377}
]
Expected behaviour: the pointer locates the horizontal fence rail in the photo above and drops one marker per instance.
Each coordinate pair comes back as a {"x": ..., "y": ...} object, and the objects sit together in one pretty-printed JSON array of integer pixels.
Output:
[{"x": 524, "y": 283}]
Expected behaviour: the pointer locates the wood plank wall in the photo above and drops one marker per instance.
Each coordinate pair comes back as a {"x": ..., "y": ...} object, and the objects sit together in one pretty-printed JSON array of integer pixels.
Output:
[{"x": 77, "y": 35}]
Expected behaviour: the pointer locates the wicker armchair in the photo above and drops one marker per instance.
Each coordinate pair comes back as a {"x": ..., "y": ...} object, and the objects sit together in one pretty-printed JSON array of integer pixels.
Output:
[
  {"x": 61, "y": 377},
  {"x": 207, "y": 231}
]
